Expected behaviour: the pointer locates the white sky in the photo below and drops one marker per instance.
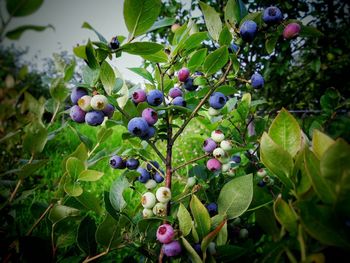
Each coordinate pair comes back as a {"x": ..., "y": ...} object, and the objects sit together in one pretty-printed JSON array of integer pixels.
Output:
[{"x": 67, "y": 16}]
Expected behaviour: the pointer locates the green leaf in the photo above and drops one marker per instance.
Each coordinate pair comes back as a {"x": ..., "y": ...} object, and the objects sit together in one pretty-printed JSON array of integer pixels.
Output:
[
  {"x": 80, "y": 152},
  {"x": 216, "y": 60},
  {"x": 234, "y": 11},
  {"x": 320, "y": 143},
  {"x": 194, "y": 40},
  {"x": 212, "y": 20},
  {"x": 79, "y": 51},
  {"x": 72, "y": 188},
  {"x": 60, "y": 212},
  {"x": 210, "y": 237},
  {"x": 310, "y": 31},
  {"x": 90, "y": 202},
  {"x": 58, "y": 90},
  {"x": 22, "y": 7},
  {"x": 158, "y": 57},
  {"x": 69, "y": 71},
  {"x": 201, "y": 217},
  {"x": 107, "y": 77},
  {"x": 142, "y": 48},
  {"x": 30, "y": 168},
  {"x": 285, "y": 132},
  {"x": 143, "y": 73},
  {"x": 74, "y": 167},
  {"x": 266, "y": 219},
  {"x": 256, "y": 17},
  {"x": 285, "y": 215},
  {"x": 108, "y": 232},
  {"x": 270, "y": 43},
  {"x": 100, "y": 37},
  {"x": 276, "y": 159},
  {"x": 140, "y": 15},
  {"x": 197, "y": 59},
  {"x": 116, "y": 193},
  {"x": 35, "y": 138},
  {"x": 321, "y": 185},
  {"x": 222, "y": 236},
  {"x": 86, "y": 236},
  {"x": 320, "y": 223},
  {"x": 236, "y": 196},
  {"x": 90, "y": 175},
  {"x": 185, "y": 220},
  {"x": 91, "y": 57},
  {"x": 84, "y": 139},
  {"x": 103, "y": 134},
  {"x": 225, "y": 37},
  {"x": 192, "y": 254},
  {"x": 16, "y": 33},
  {"x": 164, "y": 22}
]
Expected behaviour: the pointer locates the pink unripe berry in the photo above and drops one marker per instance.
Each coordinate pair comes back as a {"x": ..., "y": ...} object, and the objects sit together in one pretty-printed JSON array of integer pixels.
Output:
[
  {"x": 172, "y": 249},
  {"x": 165, "y": 233},
  {"x": 175, "y": 92},
  {"x": 213, "y": 165},
  {"x": 291, "y": 30},
  {"x": 261, "y": 172},
  {"x": 183, "y": 74},
  {"x": 139, "y": 96}
]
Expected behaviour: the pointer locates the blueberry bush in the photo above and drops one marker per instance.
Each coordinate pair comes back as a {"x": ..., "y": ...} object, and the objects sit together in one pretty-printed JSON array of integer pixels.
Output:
[{"x": 195, "y": 172}]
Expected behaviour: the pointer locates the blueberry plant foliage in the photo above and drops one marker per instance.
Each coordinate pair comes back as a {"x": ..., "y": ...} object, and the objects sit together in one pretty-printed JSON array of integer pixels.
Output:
[{"x": 260, "y": 190}]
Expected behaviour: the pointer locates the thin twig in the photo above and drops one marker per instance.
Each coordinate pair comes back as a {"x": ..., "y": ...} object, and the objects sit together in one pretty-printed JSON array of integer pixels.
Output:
[
  {"x": 191, "y": 161},
  {"x": 39, "y": 219}
]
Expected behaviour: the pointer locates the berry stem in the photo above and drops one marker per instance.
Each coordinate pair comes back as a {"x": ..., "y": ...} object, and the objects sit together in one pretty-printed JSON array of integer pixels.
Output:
[{"x": 191, "y": 161}]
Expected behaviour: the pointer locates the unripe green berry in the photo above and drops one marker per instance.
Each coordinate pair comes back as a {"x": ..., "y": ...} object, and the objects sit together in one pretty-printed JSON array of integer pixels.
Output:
[
  {"x": 218, "y": 153},
  {"x": 99, "y": 102},
  {"x": 261, "y": 172},
  {"x": 213, "y": 112},
  {"x": 148, "y": 200},
  {"x": 151, "y": 184},
  {"x": 226, "y": 145},
  {"x": 159, "y": 209},
  {"x": 147, "y": 213},
  {"x": 191, "y": 181},
  {"x": 225, "y": 167},
  {"x": 217, "y": 136},
  {"x": 243, "y": 233},
  {"x": 85, "y": 103},
  {"x": 163, "y": 194}
]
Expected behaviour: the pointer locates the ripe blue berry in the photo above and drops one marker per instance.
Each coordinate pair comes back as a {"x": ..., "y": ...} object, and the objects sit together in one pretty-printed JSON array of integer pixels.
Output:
[
  {"x": 179, "y": 101},
  {"x": 212, "y": 209},
  {"x": 114, "y": 43},
  {"x": 149, "y": 133},
  {"x": 132, "y": 164},
  {"x": 175, "y": 92},
  {"x": 158, "y": 177},
  {"x": 272, "y": 15},
  {"x": 117, "y": 162},
  {"x": 261, "y": 183},
  {"x": 172, "y": 249},
  {"x": 248, "y": 30},
  {"x": 183, "y": 74},
  {"x": 257, "y": 81},
  {"x": 233, "y": 48},
  {"x": 236, "y": 159},
  {"x": 165, "y": 233},
  {"x": 150, "y": 115},
  {"x": 77, "y": 114},
  {"x": 188, "y": 85},
  {"x": 152, "y": 165},
  {"x": 138, "y": 126},
  {"x": 217, "y": 100},
  {"x": 155, "y": 97},
  {"x": 139, "y": 96},
  {"x": 197, "y": 247},
  {"x": 108, "y": 111},
  {"x": 77, "y": 93},
  {"x": 144, "y": 175},
  {"x": 209, "y": 145},
  {"x": 94, "y": 118}
]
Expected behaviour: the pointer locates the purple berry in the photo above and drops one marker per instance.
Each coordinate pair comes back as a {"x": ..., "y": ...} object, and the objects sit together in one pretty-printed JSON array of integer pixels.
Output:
[
  {"x": 183, "y": 74},
  {"x": 188, "y": 85},
  {"x": 77, "y": 114},
  {"x": 108, "y": 111},
  {"x": 233, "y": 48},
  {"x": 114, "y": 44},
  {"x": 155, "y": 97},
  {"x": 151, "y": 131},
  {"x": 94, "y": 118},
  {"x": 132, "y": 164},
  {"x": 117, "y": 162},
  {"x": 172, "y": 249},
  {"x": 138, "y": 126},
  {"x": 165, "y": 233},
  {"x": 175, "y": 92},
  {"x": 213, "y": 165},
  {"x": 291, "y": 31},
  {"x": 209, "y": 145},
  {"x": 261, "y": 183},
  {"x": 272, "y": 15},
  {"x": 139, "y": 96},
  {"x": 158, "y": 177},
  {"x": 152, "y": 165},
  {"x": 197, "y": 247},
  {"x": 77, "y": 93},
  {"x": 248, "y": 30},
  {"x": 144, "y": 175},
  {"x": 179, "y": 101},
  {"x": 217, "y": 100},
  {"x": 257, "y": 81},
  {"x": 236, "y": 159},
  {"x": 150, "y": 115},
  {"x": 212, "y": 209}
]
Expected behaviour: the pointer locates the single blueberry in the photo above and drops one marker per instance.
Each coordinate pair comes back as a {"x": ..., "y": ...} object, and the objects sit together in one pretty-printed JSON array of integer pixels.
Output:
[
  {"x": 77, "y": 114},
  {"x": 77, "y": 93},
  {"x": 132, "y": 163},
  {"x": 155, "y": 97},
  {"x": 179, "y": 101},
  {"x": 144, "y": 175},
  {"x": 138, "y": 126},
  {"x": 188, "y": 85},
  {"x": 94, "y": 118},
  {"x": 248, "y": 30},
  {"x": 217, "y": 100},
  {"x": 117, "y": 162},
  {"x": 114, "y": 43},
  {"x": 272, "y": 15},
  {"x": 212, "y": 209},
  {"x": 257, "y": 81}
]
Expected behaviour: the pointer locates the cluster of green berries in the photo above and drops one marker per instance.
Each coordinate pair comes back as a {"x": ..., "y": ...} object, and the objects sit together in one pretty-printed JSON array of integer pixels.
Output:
[
  {"x": 265, "y": 179},
  {"x": 156, "y": 205},
  {"x": 89, "y": 109}
]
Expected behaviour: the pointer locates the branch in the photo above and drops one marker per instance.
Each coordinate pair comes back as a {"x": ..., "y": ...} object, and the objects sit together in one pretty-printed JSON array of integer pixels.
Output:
[
  {"x": 193, "y": 114},
  {"x": 191, "y": 161},
  {"x": 39, "y": 219}
]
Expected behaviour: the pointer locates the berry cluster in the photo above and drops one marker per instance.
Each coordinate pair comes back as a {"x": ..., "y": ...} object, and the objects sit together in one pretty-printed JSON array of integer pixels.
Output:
[
  {"x": 151, "y": 176},
  {"x": 265, "y": 179},
  {"x": 150, "y": 205},
  {"x": 165, "y": 235},
  {"x": 89, "y": 109},
  {"x": 220, "y": 148},
  {"x": 217, "y": 101},
  {"x": 117, "y": 162}
]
